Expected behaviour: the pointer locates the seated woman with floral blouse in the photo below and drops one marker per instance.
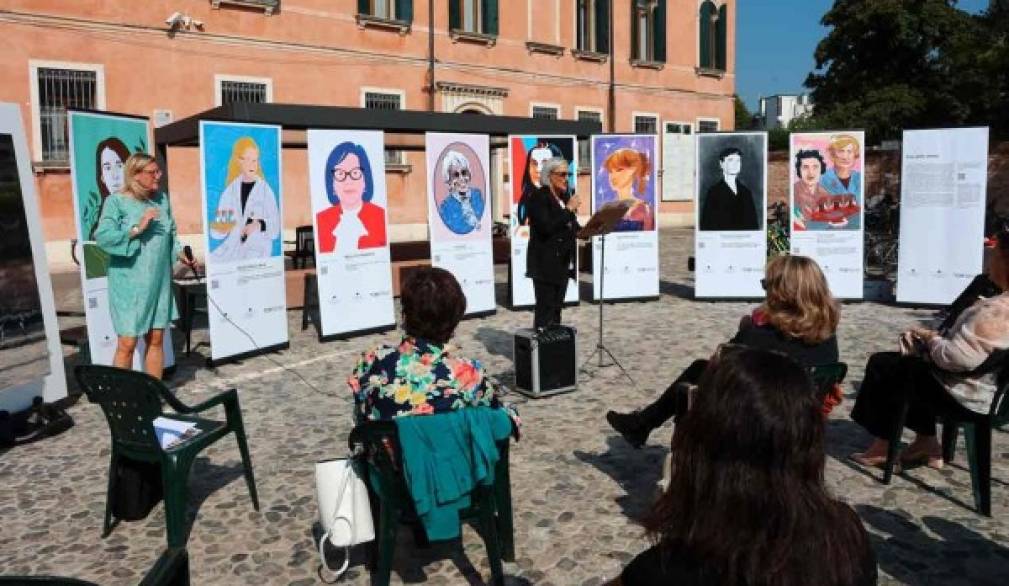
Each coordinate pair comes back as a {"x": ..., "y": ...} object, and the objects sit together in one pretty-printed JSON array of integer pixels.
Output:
[{"x": 422, "y": 374}]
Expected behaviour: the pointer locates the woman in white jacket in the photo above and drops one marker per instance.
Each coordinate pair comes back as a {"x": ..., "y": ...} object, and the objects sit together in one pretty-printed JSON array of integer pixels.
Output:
[{"x": 247, "y": 216}]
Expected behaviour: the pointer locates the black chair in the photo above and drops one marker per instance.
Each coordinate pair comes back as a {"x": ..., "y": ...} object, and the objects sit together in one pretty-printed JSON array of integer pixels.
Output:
[
  {"x": 491, "y": 505},
  {"x": 304, "y": 247},
  {"x": 977, "y": 433},
  {"x": 131, "y": 401},
  {"x": 171, "y": 569}
]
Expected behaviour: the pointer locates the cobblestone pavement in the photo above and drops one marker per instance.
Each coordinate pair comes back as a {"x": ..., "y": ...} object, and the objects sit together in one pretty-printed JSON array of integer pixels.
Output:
[{"x": 577, "y": 487}]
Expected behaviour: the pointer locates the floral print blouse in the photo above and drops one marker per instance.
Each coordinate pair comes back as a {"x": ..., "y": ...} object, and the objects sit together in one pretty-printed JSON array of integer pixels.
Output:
[{"x": 419, "y": 378}]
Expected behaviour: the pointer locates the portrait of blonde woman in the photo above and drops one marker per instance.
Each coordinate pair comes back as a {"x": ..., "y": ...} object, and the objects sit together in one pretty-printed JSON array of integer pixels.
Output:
[{"x": 247, "y": 217}]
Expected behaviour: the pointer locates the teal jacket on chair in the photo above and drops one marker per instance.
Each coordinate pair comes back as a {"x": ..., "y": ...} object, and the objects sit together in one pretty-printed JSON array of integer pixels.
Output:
[{"x": 445, "y": 457}]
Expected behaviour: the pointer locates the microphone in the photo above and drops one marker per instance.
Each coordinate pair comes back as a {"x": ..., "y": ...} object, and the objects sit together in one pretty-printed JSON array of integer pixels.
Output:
[{"x": 187, "y": 251}]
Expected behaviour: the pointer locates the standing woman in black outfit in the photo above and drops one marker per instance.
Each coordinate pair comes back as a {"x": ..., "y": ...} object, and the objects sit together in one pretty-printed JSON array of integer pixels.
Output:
[{"x": 552, "y": 228}]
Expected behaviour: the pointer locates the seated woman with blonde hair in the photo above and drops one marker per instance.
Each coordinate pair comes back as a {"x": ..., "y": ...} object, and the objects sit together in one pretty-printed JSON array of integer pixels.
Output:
[{"x": 798, "y": 318}]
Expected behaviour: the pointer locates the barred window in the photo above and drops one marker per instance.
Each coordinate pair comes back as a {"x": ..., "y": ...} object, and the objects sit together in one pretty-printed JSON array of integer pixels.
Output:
[
  {"x": 386, "y": 101},
  {"x": 678, "y": 128},
  {"x": 646, "y": 125},
  {"x": 707, "y": 126},
  {"x": 584, "y": 150},
  {"x": 545, "y": 112},
  {"x": 243, "y": 91},
  {"x": 60, "y": 89}
]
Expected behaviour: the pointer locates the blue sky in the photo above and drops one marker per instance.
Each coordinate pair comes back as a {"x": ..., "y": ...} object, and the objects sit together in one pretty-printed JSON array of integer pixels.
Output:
[{"x": 775, "y": 43}]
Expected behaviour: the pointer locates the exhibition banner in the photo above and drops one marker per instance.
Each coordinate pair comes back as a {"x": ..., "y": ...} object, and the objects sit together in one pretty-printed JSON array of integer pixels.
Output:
[
  {"x": 944, "y": 179},
  {"x": 240, "y": 169},
  {"x": 624, "y": 169},
  {"x": 31, "y": 359},
  {"x": 730, "y": 240},
  {"x": 826, "y": 200},
  {"x": 678, "y": 166},
  {"x": 99, "y": 146},
  {"x": 459, "y": 214},
  {"x": 527, "y": 154},
  {"x": 346, "y": 170}
]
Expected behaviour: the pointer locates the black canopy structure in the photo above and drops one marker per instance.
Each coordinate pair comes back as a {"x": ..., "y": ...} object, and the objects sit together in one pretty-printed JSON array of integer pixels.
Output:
[{"x": 404, "y": 129}]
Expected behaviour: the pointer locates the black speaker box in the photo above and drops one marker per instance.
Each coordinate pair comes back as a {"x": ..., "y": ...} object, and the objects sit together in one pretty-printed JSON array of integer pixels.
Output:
[{"x": 545, "y": 361}]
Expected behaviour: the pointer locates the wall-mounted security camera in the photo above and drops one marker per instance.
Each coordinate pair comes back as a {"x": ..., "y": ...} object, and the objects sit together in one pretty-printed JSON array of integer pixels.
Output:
[{"x": 175, "y": 19}]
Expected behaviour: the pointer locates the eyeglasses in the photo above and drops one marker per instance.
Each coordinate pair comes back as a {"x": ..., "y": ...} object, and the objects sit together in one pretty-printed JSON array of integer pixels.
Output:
[
  {"x": 563, "y": 174},
  {"x": 459, "y": 174},
  {"x": 341, "y": 175},
  {"x": 152, "y": 172}
]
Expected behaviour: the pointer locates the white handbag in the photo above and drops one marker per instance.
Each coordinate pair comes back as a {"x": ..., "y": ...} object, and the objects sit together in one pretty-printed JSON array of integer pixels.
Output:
[{"x": 344, "y": 509}]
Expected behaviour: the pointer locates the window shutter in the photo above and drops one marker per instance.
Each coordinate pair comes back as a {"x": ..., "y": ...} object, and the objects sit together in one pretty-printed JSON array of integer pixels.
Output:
[
  {"x": 635, "y": 33},
  {"x": 454, "y": 17},
  {"x": 720, "y": 41},
  {"x": 404, "y": 10},
  {"x": 489, "y": 17},
  {"x": 363, "y": 7},
  {"x": 579, "y": 24},
  {"x": 704, "y": 34},
  {"x": 659, "y": 38},
  {"x": 603, "y": 26}
]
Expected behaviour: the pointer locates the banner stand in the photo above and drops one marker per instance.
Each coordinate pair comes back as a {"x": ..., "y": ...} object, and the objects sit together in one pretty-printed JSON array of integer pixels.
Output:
[
  {"x": 250, "y": 354},
  {"x": 511, "y": 300},
  {"x": 348, "y": 335}
]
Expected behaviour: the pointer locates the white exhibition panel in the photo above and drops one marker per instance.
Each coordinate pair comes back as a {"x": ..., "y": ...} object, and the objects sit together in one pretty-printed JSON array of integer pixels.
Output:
[
  {"x": 86, "y": 132},
  {"x": 678, "y": 166},
  {"x": 827, "y": 216},
  {"x": 944, "y": 178},
  {"x": 527, "y": 153},
  {"x": 459, "y": 214},
  {"x": 730, "y": 236},
  {"x": 246, "y": 296},
  {"x": 351, "y": 226},
  {"x": 51, "y": 386},
  {"x": 624, "y": 167}
]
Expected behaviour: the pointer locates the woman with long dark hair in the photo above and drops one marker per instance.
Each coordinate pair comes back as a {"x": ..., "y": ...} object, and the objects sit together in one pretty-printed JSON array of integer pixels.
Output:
[{"x": 746, "y": 504}]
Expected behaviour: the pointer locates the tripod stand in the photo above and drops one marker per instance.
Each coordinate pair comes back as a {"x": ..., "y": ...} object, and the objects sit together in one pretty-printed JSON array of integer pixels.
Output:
[{"x": 601, "y": 348}]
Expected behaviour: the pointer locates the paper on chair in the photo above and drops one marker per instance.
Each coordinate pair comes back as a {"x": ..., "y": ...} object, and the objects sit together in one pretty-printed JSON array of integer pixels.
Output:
[{"x": 171, "y": 431}]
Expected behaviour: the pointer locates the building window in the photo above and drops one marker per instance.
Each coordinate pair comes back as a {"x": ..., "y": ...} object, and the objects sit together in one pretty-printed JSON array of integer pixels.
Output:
[
  {"x": 401, "y": 10},
  {"x": 385, "y": 100},
  {"x": 707, "y": 126},
  {"x": 678, "y": 128},
  {"x": 648, "y": 31},
  {"x": 646, "y": 124},
  {"x": 473, "y": 16},
  {"x": 231, "y": 90},
  {"x": 593, "y": 22},
  {"x": 60, "y": 90},
  {"x": 546, "y": 112},
  {"x": 584, "y": 149},
  {"x": 712, "y": 35}
]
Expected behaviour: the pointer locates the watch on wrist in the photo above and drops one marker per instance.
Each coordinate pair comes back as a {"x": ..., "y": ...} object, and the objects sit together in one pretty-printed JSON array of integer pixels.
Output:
[{"x": 134, "y": 229}]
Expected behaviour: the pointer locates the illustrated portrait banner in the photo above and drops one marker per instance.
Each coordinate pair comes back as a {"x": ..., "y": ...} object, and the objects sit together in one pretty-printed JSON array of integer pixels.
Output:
[
  {"x": 730, "y": 241},
  {"x": 99, "y": 146},
  {"x": 944, "y": 179},
  {"x": 625, "y": 168},
  {"x": 346, "y": 171},
  {"x": 31, "y": 359},
  {"x": 526, "y": 154},
  {"x": 459, "y": 213},
  {"x": 242, "y": 226},
  {"x": 826, "y": 201}
]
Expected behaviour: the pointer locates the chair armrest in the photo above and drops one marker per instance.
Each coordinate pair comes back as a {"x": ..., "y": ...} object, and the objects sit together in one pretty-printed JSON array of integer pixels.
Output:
[
  {"x": 171, "y": 567},
  {"x": 222, "y": 398}
]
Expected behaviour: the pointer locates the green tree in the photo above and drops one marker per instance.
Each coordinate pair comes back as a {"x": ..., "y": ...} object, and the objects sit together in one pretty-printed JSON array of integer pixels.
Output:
[
  {"x": 886, "y": 65},
  {"x": 744, "y": 119}
]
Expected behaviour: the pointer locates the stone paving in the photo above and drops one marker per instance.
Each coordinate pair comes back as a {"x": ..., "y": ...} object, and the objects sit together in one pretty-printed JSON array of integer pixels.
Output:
[{"x": 577, "y": 487}]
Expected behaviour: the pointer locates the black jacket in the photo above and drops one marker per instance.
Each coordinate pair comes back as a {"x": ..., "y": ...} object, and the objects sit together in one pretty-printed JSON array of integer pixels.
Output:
[
  {"x": 552, "y": 230},
  {"x": 725, "y": 209}
]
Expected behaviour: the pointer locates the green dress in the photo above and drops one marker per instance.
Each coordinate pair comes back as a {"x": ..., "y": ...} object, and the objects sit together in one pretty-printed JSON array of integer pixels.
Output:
[{"x": 140, "y": 268}]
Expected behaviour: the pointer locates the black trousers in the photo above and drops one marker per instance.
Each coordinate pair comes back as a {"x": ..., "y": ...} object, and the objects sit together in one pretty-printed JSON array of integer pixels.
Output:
[
  {"x": 549, "y": 301},
  {"x": 890, "y": 380},
  {"x": 674, "y": 400}
]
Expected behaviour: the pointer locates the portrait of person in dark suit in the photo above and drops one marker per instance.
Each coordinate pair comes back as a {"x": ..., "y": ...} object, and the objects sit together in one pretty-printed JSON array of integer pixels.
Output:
[{"x": 728, "y": 203}]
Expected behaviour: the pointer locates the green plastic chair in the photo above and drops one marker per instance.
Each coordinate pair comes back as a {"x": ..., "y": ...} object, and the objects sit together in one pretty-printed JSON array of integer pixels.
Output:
[
  {"x": 392, "y": 503},
  {"x": 171, "y": 569},
  {"x": 131, "y": 402}
]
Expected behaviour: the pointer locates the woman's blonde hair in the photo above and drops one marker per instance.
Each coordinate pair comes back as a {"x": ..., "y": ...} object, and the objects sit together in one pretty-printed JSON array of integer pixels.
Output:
[
  {"x": 234, "y": 166},
  {"x": 630, "y": 158},
  {"x": 131, "y": 168},
  {"x": 839, "y": 141},
  {"x": 798, "y": 302}
]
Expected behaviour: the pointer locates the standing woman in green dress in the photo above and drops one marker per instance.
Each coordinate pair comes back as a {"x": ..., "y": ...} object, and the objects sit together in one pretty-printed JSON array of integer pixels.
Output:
[{"x": 138, "y": 232}]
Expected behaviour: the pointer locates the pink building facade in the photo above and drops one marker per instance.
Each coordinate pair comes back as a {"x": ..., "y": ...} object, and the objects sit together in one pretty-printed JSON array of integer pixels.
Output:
[{"x": 636, "y": 65}]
